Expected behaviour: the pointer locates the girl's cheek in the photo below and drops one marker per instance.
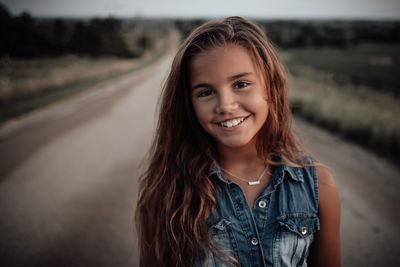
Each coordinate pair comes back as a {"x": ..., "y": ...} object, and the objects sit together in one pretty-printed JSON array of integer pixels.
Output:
[{"x": 257, "y": 99}]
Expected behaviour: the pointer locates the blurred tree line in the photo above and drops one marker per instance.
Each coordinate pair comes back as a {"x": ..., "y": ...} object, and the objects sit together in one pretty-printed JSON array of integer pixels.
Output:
[
  {"x": 289, "y": 34},
  {"x": 25, "y": 36},
  {"x": 331, "y": 33}
]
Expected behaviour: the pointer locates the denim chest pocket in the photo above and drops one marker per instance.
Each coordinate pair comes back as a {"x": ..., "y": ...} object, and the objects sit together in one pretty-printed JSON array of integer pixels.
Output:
[
  {"x": 223, "y": 239},
  {"x": 294, "y": 235}
]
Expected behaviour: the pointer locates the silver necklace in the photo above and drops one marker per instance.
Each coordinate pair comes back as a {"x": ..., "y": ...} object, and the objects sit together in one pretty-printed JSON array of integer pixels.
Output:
[{"x": 254, "y": 182}]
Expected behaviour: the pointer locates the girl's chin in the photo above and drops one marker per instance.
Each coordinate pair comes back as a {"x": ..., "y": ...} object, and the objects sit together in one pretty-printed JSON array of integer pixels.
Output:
[{"x": 234, "y": 144}]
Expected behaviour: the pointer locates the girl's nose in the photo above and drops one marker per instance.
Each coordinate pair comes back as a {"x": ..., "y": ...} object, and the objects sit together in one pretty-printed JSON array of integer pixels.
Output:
[{"x": 227, "y": 104}]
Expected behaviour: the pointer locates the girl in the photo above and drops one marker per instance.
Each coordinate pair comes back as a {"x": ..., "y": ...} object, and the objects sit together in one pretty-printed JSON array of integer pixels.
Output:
[{"x": 227, "y": 183}]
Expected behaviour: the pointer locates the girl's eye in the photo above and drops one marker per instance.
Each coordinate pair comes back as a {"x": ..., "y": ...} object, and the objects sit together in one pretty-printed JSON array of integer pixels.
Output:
[
  {"x": 241, "y": 84},
  {"x": 205, "y": 92}
]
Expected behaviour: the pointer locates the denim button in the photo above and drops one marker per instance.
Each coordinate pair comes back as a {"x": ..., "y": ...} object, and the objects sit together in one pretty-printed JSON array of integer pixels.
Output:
[
  {"x": 254, "y": 241},
  {"x": 262, "y": 204},
  {"x": 303, "y": 230}
]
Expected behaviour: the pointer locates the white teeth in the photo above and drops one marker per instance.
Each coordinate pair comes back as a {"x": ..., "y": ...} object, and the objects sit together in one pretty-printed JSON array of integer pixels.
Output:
[{"x": 231, "y": 123}]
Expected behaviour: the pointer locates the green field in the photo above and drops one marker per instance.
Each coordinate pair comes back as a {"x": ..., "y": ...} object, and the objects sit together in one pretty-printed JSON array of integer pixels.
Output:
[
  {"x": 354, "y": 92},
  {"x": 374, "y": 65}
]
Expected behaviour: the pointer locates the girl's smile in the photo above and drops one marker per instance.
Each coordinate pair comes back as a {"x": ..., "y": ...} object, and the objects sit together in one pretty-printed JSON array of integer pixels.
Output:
[
  {"x": 228, "y": 95},
  {"x": 232, "y": 123}
]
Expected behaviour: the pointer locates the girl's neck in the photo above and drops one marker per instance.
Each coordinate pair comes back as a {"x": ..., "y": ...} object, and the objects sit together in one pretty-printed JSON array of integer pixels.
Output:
[{"x": 240, "y": 159}]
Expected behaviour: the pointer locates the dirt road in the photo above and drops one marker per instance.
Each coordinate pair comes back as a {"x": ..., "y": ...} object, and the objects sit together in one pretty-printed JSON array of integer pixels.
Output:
[{"x": 69, "y": 172}]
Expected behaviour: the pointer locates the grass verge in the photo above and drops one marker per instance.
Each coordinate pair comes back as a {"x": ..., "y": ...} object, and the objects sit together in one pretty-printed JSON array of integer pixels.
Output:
[
  {"x": 351, "y": 91},
  {"x": 357, "y": 113}
]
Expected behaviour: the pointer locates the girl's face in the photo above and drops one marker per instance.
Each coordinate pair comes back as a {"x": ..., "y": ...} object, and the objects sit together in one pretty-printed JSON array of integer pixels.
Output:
[{"x": 228, "y": 95}]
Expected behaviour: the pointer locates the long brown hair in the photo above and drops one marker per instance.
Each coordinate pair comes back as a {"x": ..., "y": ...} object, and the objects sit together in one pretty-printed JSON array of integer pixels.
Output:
[{"x": 176, "y": 196}]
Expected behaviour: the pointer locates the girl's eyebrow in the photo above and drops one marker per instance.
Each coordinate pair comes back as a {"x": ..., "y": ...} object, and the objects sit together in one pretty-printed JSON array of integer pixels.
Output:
[
  {"x": 240, "y": 75},
  {"x": 234, "y": 77},
  {"x": 200, "y": 85}
]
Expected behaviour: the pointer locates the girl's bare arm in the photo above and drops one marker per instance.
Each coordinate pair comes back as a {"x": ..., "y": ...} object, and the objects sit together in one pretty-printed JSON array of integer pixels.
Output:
[{"x": 325, "y": 250}]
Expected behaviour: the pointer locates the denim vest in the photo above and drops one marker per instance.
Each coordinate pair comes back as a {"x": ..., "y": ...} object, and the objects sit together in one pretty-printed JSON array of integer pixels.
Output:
[{"x": 279, "y": 229}]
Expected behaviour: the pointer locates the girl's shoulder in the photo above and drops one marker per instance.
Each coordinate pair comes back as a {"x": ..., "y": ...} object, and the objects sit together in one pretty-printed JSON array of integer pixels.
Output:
[
  {"x": 327, "y": 242},
  {"x": 325, "y": 176},
  {"x": 328, "y": 190},
  {"x": 301, "y": 166},
  {"x": 321, "y": 172}
]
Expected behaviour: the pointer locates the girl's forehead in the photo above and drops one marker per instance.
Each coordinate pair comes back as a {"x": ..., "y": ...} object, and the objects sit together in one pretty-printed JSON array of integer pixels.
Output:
[
  {"x": 218, "y": 51},
  {"x": 225, "y": 60}
]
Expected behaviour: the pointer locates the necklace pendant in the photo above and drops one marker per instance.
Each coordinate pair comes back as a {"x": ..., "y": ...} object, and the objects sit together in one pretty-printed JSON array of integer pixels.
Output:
[{"x": 253, "y": 182}]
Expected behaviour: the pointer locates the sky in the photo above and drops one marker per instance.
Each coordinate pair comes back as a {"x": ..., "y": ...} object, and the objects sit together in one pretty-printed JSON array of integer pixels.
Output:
[{"x": 295, "y": 9}]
